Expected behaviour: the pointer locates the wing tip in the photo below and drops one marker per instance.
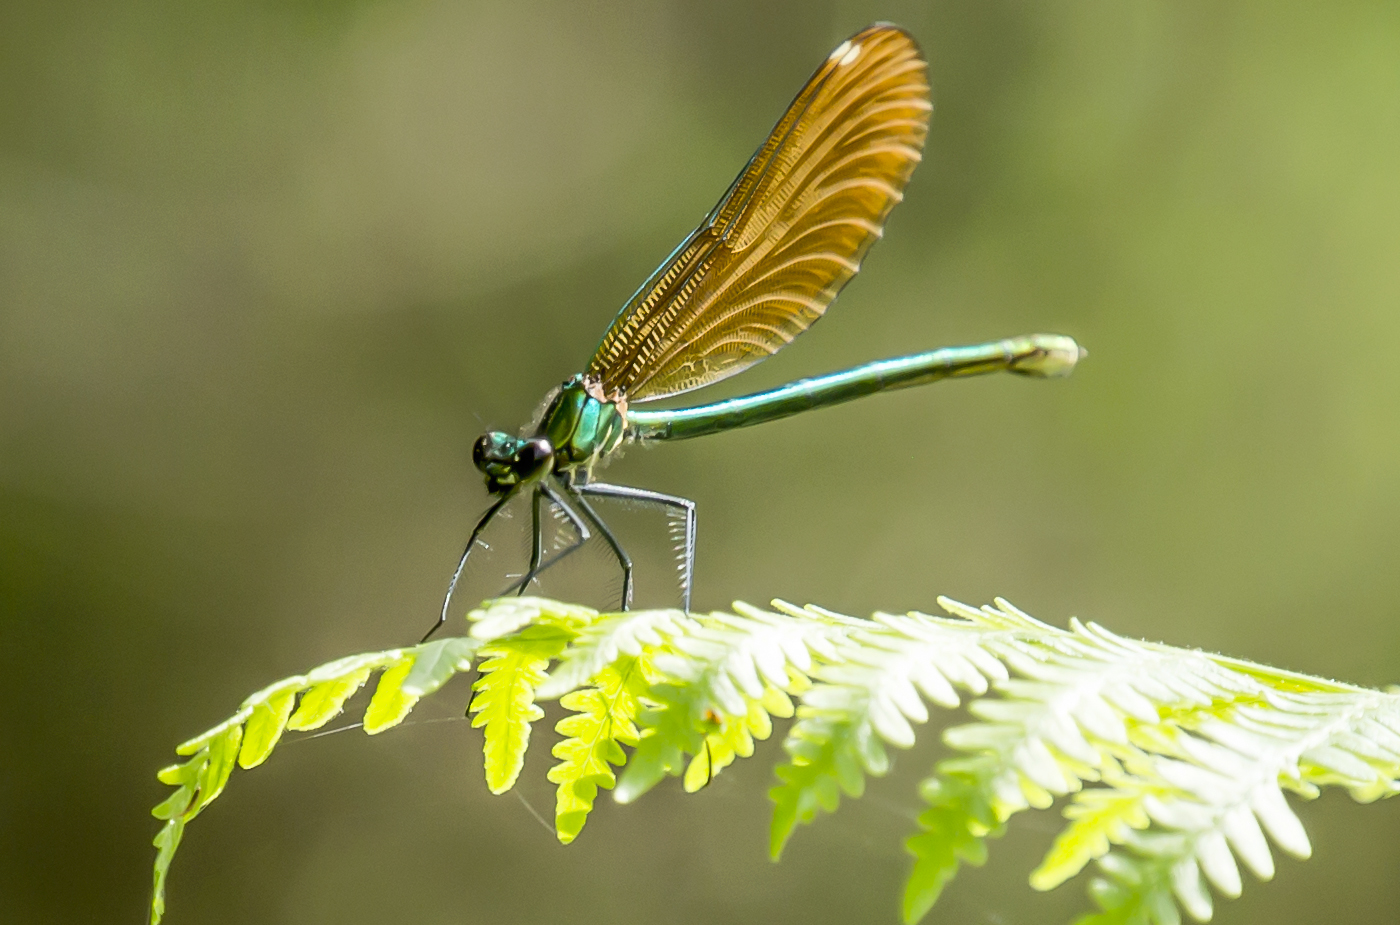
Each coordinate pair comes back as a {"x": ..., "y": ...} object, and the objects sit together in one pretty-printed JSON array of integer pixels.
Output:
[
  {"x": 885, "y": 34},
  {"x": 894, "y": 30}
]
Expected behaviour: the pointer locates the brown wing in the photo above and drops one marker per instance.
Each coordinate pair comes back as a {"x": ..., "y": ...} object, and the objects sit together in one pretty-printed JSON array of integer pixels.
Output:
[{"x": 788, "y": 234}]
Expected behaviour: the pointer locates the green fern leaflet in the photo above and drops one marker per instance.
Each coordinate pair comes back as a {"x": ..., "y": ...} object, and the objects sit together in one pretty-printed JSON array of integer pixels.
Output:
[{"x": 1170, "y": 765}]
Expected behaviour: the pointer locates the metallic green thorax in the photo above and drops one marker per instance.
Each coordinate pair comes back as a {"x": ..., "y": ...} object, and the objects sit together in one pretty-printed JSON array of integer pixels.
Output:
[
  {"x": 581, "y": 426},
  {"x": 578, "y": 428}
]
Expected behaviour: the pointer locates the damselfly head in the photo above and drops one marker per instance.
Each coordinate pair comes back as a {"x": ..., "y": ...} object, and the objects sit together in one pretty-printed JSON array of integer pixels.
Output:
[{"x": 508, "y": 460}]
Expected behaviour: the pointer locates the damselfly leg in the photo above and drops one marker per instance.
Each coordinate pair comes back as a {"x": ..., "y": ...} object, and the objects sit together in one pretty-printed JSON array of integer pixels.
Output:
[
  {"x": 486, "y": 518},
  {"x": 538, "y": 565},
  {"x": 684, "y": 505},
  {"x": 623, "y": 559}
]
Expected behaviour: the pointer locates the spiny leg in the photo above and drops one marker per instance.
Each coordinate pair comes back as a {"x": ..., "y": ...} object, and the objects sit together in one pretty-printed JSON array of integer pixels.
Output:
[
  {"x": 537, "y": 568},
  {"x": 462, "y": 563},
  {"x": 685, "y": 505},
  {"x": 623, "y": 559}
]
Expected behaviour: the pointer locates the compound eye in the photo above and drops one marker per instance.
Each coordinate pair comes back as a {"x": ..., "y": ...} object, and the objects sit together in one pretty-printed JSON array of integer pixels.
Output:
[
  {"x": 483, "y": 443},
  {"x": 534, "y": 453}
]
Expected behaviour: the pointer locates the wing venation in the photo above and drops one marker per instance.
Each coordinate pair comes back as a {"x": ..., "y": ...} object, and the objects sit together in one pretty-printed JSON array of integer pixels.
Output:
[{"x": 788, "y": 234}]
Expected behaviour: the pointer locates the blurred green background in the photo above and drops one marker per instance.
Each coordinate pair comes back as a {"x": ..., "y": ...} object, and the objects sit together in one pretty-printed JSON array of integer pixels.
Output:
[{"x": 267, "y": 269}]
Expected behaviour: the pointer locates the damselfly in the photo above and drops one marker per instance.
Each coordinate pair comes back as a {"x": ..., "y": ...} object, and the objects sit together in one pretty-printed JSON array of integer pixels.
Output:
[{"x": 761, "y": 268}]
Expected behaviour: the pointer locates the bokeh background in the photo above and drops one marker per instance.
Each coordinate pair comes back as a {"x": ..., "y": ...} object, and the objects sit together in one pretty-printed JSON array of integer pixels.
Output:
[{"x": 266, "y": 270}]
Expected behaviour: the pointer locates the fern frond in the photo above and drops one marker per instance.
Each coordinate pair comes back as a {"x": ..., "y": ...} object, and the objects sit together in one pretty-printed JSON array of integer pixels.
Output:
[
  {"x": 512, "y": 667},
  {"x": 734, "y": 736},
  {"x": 526, "y": 635},
  {"x": 868, "y": 690},
  {"x": 717, "y": 669},
  {"x": 1061, "y": 723},
  {"x": 301, "y": 702},
  {"x": 603, "y": 642},
  {"x": 603, "y": 720},
  {"x": 1216, "y": 788},
  {"x": 615, "y": 653},
  {"x": 956, "y": 825},
  {"x": 1171, "y": 764},
  {"x": 1191, "y": 752},
  {"x": 1098, "y": 818}
]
